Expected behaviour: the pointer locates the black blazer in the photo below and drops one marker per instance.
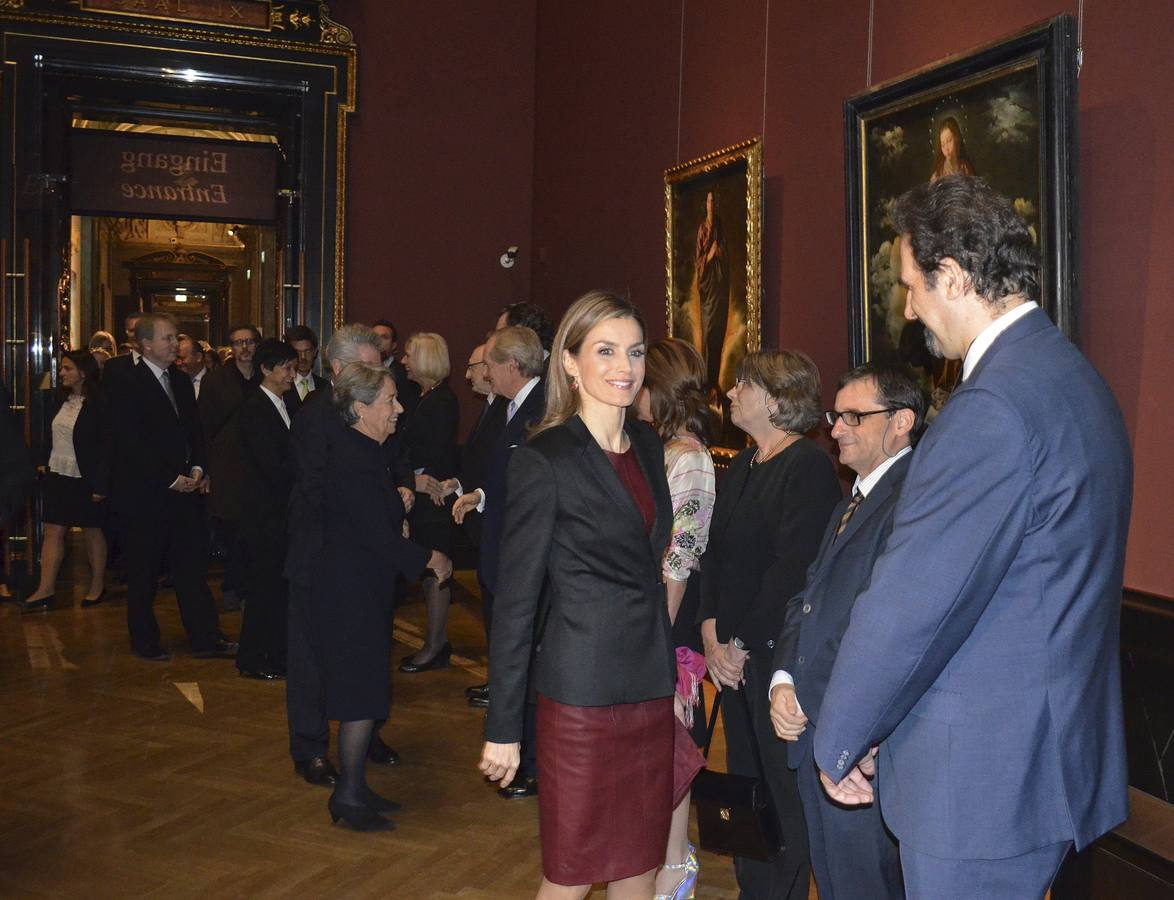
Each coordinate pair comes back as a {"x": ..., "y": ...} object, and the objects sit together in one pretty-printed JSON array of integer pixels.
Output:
[
  {"x": 267, "y": 458},
  {"x": 91, "y": 443},
  {"x": 430, "y": 433},
  {"x": 116, "y": 373},
  {"x": 153, "y": 443},
  {"x": 575, "y": 545},
  {"x": 293, "y": 402},
  {"x": 764, "y": 534},
  {"x": 222, "y": 393},
  {"x": 474, "y": 458},
  {"x": 315, "y": 430},
  {"x": 512, "y": 436},
  {"x": 817, "y": 618}
]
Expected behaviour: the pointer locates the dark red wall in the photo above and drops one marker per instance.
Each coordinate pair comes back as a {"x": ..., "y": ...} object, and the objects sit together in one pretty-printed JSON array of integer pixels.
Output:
[
  {"x": 437, "y": 173},
  {"x": 441, "y": 165}
]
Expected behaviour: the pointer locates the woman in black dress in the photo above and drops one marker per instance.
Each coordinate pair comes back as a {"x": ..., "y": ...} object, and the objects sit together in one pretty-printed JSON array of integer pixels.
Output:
[
  {"x": 76, "y": 479},
  {"x": 587, "y": 520},
  {"x": 770, "y": 514},
  {"x": 430, "y": 436},
  {"x": 364, "y": 551}
]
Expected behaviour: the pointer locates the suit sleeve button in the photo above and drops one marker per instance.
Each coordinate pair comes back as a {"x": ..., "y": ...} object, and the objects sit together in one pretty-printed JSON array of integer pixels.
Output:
[
  {"x": 801, "y": 660},
  {"x": 806, "y": 607}
]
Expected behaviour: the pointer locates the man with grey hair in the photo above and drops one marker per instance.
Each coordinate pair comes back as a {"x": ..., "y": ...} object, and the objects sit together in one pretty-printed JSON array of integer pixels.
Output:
[
  {"x": 314, "y": 428},
  {"x": 514, "y": 365}
]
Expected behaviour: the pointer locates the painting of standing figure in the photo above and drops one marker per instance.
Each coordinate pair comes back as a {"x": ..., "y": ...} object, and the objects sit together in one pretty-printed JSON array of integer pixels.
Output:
[
  {"x": 1005, "y": 113},
  {"x": 713, "y": 226}
]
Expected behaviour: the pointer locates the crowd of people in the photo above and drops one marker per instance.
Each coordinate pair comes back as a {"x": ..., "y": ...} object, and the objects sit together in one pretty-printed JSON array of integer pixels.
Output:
[{"x": 921, "y": 672}]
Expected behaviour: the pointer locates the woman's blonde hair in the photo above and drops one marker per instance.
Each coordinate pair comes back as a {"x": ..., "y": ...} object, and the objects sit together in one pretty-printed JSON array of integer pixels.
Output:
[
  {"x": 429, "y": 355},
  {"x": 562, "y": 402}
]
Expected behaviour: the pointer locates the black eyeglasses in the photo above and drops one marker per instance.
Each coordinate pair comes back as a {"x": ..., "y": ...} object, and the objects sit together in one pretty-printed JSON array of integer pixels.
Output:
[
  {"x": 851, "y": 417},
  {"x": 245, "y": 342}
]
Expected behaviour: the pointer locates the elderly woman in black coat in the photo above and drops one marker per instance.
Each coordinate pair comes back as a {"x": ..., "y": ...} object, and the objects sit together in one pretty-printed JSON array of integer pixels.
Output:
[{"x": 364, "y": 550}]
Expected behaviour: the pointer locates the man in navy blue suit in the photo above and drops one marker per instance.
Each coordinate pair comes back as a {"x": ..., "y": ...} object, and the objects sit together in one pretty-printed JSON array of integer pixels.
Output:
[
  {"x": 879, "y": 413},
  {"x": 983, "y": 657}
]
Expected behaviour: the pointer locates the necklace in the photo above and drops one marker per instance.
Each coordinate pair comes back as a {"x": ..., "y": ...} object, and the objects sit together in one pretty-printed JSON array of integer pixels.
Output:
[{"x": 759, "y": 457}]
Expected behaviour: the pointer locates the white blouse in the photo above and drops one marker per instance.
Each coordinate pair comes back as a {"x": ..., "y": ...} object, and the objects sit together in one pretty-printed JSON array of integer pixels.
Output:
[{"x": 63, "y": 460}]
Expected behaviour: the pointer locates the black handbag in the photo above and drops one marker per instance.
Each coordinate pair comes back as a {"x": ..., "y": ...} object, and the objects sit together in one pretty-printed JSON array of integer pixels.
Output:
[{"x": 735, "y": 815}]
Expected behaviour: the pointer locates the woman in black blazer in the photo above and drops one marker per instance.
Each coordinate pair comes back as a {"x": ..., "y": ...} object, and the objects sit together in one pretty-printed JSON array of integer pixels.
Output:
[
  {"x": 363, "y": 553},
  {"x": 580, "y": 604},
  {"x": 76, "y": 471},
  {"x": 770, "y": 514},
  {"x": 430, "y": 438}
]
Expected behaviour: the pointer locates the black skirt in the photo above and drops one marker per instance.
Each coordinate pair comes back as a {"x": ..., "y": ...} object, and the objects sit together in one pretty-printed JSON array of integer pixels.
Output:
[
  {"x": 431, "y": 525},
  {"x": 67, "y": 501}
]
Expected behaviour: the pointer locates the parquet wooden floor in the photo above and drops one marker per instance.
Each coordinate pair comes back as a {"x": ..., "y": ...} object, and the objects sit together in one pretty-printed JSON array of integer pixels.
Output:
[{"x": 124, "y": 778}]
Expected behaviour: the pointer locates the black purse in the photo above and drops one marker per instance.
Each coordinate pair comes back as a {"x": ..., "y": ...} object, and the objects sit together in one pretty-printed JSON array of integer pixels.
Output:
[{"x": 735, "y": 815}]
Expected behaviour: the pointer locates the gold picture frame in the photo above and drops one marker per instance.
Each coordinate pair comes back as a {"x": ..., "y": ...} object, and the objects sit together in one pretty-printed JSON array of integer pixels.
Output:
[{"x": 713, "y": 266}]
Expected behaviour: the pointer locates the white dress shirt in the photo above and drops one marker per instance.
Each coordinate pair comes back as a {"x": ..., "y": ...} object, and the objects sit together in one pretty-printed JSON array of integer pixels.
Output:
[
  {"x": 197, "y": 379},
  {"x": 304, "y": 380},
  {"x": 986, "y": 337},
  {"x": 279, "y": 404}
]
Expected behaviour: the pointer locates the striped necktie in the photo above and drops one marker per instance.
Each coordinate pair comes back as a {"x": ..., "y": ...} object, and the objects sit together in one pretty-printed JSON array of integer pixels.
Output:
[
  {"x": 848, "y": 512},
  {"x": 303, "y": 387}
]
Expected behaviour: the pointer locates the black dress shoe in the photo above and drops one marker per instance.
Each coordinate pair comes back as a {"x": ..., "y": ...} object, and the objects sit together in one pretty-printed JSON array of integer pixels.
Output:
[
  {"x": 88, "y": 602},
  {"x": 479, "y": 702},
  {"x": 259, "y": 674},
  {"x": 360, "y": 818},
  {"x": 318, "y": 771},
  {"x": 42, "y": 605},
  {"x": 220, "y": 650},
  {"x": 477, "y": 690},
  {"x": 380, "y": 804},
  {"x": 520, "y": 788},
  {"x": 381, "y": 754},
  {"x": 439, "y": 661},
  {"x": 153, "y": 654}
]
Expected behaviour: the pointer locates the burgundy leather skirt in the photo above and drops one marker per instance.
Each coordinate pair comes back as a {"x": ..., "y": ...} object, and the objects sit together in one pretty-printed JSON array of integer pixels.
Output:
[{"x": 606, "y": 781}]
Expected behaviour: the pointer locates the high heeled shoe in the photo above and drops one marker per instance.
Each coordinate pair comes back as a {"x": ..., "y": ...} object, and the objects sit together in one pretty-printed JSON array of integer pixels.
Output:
[
  {"x": 380, "y": 804},
  {"x": 687, "y": 886},
  {"x": 360, "y": 818},
  {"x": 87, "y": 602},
  {"x": 439, "y": 661},
  {"x": 41, "y": 604}
]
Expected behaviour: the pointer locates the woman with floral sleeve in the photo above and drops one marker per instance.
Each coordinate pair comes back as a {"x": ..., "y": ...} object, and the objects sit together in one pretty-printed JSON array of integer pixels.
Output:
[{"x": 674, "y": 402}]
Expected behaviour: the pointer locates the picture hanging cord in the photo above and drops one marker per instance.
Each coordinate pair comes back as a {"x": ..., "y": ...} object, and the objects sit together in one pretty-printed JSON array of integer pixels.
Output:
[
  {"x": 681, "y": 82},
  {"x": 765, "y": 59},
  {"x": 871, "y": 20}
]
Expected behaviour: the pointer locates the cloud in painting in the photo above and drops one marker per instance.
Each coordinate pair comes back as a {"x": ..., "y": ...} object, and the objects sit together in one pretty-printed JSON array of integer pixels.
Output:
[
  {"x": 888, "y": 295},
  {"x": 885, "y": 206},
  {"x": 1011, "y": 120},
  {"x": 890, "y": 143}
]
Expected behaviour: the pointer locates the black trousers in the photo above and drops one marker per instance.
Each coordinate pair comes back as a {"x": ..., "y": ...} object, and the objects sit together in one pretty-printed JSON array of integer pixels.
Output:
[
  {"x": 236, "y": 573},
  {"x": 486, "y": 607},
  {"x": 169, "y": 533},
  {"x": 785, "y": 878},
  {"x": 263, "y": 638}
]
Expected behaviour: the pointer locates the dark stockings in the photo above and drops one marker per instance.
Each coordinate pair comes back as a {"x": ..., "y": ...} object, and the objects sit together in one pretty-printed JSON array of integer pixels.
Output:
[{"x": 353, "y": 740}]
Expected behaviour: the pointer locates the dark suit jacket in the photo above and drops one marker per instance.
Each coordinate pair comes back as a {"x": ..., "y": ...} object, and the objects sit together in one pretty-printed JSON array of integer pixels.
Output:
[
  {"x": 222, "y": 393},
  {"x": 818, "y": 617},
  {"x": 293, "y": 402},
  {"x": 153, "y": 444},
  {"x": 575, "y": 544},
  {"x": 92, "y": 438},
  {"x": 512, "y": 436},
  {"x": 475, "y": 454},
  {"x": 267, "y": 458},
  {"x": 985, "y": 652},
  {"x": 116, "y": 373},
  {"x": 406, "y": 390}
]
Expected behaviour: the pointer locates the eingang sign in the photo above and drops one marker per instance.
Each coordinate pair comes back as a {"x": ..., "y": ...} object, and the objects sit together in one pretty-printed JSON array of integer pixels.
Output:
[{"x": 129, "y": 174}]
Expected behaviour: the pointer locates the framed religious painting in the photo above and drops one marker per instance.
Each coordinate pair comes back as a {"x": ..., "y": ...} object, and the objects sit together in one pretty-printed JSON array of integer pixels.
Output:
[
  {"x": 1005, "y": 112},
  {"x": 713, "y": 247}
]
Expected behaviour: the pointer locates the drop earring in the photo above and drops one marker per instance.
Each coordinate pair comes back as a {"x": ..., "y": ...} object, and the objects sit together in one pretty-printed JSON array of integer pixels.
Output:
[{"x": 574, "y": 383}]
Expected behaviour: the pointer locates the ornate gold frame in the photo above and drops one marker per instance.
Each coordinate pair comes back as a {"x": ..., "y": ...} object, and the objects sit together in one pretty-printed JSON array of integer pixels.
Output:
[
  {"x": 336, "y": 40},
  {"x": 748, "y": 152}
]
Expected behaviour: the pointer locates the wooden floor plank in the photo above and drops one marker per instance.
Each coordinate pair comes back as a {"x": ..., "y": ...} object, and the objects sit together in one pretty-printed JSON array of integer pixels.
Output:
[{"x": 114, "y": 784}]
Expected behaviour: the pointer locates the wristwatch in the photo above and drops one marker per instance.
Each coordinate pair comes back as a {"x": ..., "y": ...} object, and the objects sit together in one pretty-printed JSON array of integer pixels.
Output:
[{"x": 737, "y": 642}]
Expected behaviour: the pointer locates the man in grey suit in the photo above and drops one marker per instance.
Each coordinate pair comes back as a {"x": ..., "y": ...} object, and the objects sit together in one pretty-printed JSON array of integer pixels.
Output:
[
  {"x": 984, "y": 656},
  {"x": 879, "y": 413}
]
